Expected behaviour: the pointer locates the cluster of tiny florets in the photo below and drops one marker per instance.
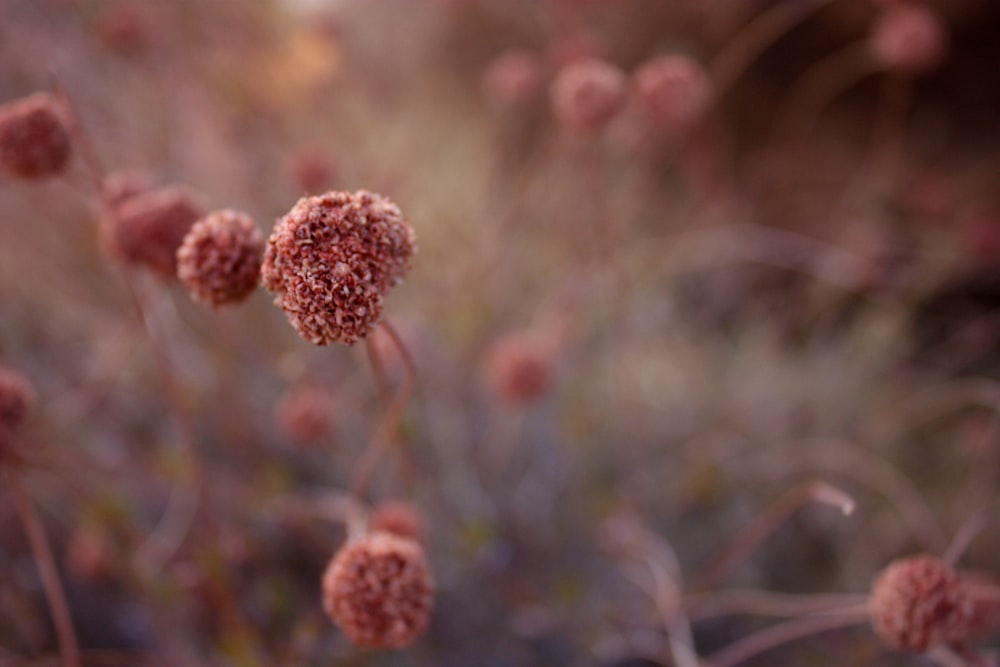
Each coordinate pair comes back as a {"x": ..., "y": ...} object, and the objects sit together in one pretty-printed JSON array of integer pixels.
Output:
[
  {"x": 219, "y": 260},
  {"x": 518, "y": 369},
  {"x": 16, "y": 400},
  {"x": 909, "y": 38},
  {"x": 586, "y": 95},
  {"x": 332, "y": 259},
  {"x": 34, "y": 138},
  {"x": 378, "y": 590},
  {"x": 399, "y": 518},
  {"x": 918, "y": 603},
  {"x": 147, "y": 228},
  {"x": 674, "y": 91}
]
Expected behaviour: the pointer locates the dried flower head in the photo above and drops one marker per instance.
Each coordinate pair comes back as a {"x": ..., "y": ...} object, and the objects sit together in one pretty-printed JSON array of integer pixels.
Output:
[
  {"x": 513, "y": 79},
  {"x": 674, "y": 91},
  {"x": 34, "y": 139},
  {"x": 918, "y": 603},
  {"x": 909, "y": 38},
  {"x": 332, "y": 259},
  {"x": 148, "y": 228},
  {"x": 518, "y": 369},
  {"x": 305, "y": 414},
  {"x": 379, "y": 590},
  {"x": 219, "y": 260},
  {"x": 17, "y": 397},
  {"x": 120, "y": 186},
  {"x": 586, "y": 95},
  {"x": 399, "y": 518}
]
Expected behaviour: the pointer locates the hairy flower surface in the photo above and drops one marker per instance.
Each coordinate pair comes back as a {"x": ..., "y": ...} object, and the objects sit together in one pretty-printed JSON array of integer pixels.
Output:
[
  {"x": 34, "y": 140},
  {"x": 673, "y": 91},
  {"x": 147, "y": 228},
  {"x": 918, "y": 603},
  {"x": 219, "y": 260},
  {"x": 378, "y": 589},
  {"x": 331, "y": 260},
  {"x": 586, "y": 95}
]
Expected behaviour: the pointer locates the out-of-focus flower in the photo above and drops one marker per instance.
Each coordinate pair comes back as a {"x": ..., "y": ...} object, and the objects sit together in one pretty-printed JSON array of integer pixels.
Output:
[{"x": 34, "y": 138}]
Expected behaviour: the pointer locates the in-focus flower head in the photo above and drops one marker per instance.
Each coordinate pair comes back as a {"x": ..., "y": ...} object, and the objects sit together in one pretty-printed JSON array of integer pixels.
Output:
[
  {"x": 219, "y": 260},
  {"x": 331, "y": 260},
  {"x": 146, "y": 229},
  {"x": 908, "y": 37},
  {"x": 378, "y": 590},
  {"x": 918, "y": 603},
  {"x": 674, "y": 91},
  {"x": 586, "y": 95},
  {"x": 34, "y": 139}
]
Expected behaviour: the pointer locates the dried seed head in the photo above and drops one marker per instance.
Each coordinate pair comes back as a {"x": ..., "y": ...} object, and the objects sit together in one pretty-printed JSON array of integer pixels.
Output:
[
  {"x": 378, "y": 589},
  {"x": 399, "y": 518},
  {"x": 219, "y": 260},
  {"x": 17, "y": 398},
  {"x": 909, "y": 38},
  {"x": 518, "y": 369},
  {"x": 586, "y": 95},
  {"x": 148, "y": 228},
  {"x": 34, "y": 139},
  {"x": 673, "y": 91},
  {"x": 918, "y": 603},
  {"x": 513, "y": 79},
  {"x": 332, "y": 259},
  {"x": 305, "y": 414}
]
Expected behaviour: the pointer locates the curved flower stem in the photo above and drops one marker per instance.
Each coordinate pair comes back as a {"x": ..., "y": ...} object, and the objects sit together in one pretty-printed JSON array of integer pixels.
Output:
[
  {"x": 768, "y": 521},
  {"x": 819, "y": 85},
  {"x": 730, "y": 64},
  {"x": 766, "y": 603},
  {"x": 388, "y": 428},
  {"x": 786, "y": 632},
  {"x": 44, "y": 559}
]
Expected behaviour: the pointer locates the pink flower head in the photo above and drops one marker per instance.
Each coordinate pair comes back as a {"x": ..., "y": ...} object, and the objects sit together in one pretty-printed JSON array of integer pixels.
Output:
[
  {"x": 909, "y": 38},
  {"x": 146, "y": 229},
  {"x": 674, "y": 91},
  {"x": 918, "y": 603},
  {"x": 586, "y": 95},
  {"x": 219, "y": 260},
  {"x": 513, "y": 79},
  {"x": 331, "y": 260},
  {"x": 34, "y": 139},
  {"x": 379, "y": 590}
]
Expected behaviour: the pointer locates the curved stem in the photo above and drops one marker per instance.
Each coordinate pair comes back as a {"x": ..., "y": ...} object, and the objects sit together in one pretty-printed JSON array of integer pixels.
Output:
[
  {"x": 730, "y": 64},
  {"x": 388, "y": 428},
  {"x": 767, "y": 603},
  {"x": 786, "y": 632},
  {"x": 819, "y": 85},
  {"x": 46, "y": 562}
]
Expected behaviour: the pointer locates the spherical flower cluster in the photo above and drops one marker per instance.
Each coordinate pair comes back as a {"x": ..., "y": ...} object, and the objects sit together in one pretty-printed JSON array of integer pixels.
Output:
[
  {"x": 909, "y": 38},
  {"x": 398, "y": 518},
  {"x": 16, "y": 400},
  {"x": 219, "y": 260},
  {"x": 379, "y": 590},
  {"x": 147, "y": 228},
  {"x": 518, "y": 369},
  {"x": 918, "y": 603},
  {"x": 674, "y": 91},
  {"x": 586, "y": 95},
  {"x": 34, "y": 139},
  {"x": 513, "y": 79},
  {"x": 332, "y": 259},
  {"x": 304, "y": 414}
]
